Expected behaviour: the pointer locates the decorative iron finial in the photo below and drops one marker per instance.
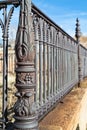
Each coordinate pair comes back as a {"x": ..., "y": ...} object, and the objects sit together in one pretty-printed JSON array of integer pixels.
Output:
[{"x": 78, "y": 33}]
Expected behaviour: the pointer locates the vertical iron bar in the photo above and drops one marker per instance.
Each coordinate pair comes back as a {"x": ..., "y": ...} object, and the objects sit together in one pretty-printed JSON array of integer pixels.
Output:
[
  {"x": 51, "y": 61},
  {"x": 40, "y": 74},
  {"x": 67, "y": 63},
  {"x": 41, "y": 63},
  {"x": 53, "y": 65},
  {"x": 64, "y": 69},
  {"x": 70, "y": 59},
  {"x": 48, "y": 65},
  {"x": 37, "y": 74},
  {"x": 61, "y": 63},
  {"x": 5, "y": 69},
  {"x": 44, "y": 63},
  {"x": 66, "y": 66},
  {"x": 36, "y": 59},
  {"x": 57, "y": 63},
  {"x": 54, "y": 72}
]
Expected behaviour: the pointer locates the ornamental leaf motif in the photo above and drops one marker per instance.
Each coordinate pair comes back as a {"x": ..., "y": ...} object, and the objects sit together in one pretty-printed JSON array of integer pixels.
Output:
[
  {"x": 23, "y": 107},
  {"x": 24, "y": 44}
]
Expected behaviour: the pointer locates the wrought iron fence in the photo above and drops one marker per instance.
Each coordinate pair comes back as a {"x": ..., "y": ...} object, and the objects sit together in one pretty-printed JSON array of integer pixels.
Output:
[
  {"x": 56, "y": 61},
  {"x": 49, "y": 62}
]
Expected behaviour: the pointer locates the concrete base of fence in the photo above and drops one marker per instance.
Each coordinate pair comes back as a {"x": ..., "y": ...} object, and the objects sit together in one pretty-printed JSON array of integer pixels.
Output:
[{"x": 70, "y": 114}]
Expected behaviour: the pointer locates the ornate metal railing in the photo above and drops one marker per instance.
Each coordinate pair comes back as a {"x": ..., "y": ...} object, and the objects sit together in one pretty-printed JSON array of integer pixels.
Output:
[
  {"x": 49, "y": 62},
  {"x": 56, "y": 61}
]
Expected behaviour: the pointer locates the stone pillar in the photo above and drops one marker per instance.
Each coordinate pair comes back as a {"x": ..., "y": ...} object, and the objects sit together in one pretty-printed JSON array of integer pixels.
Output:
[{"x": 25, "y": 109}]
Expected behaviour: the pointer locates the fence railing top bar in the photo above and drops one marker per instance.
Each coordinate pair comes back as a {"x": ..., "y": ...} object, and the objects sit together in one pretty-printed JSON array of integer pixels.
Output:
[
  {"x": 83, "y": 47},
  {"x": 51, "y": 22},
  {"x": 9, "y": 2}
]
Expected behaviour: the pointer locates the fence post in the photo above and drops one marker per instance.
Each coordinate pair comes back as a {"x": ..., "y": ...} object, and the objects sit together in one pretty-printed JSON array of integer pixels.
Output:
[
  {"x": 25, "y": 109},
  {"x": 77, "y": 35}
]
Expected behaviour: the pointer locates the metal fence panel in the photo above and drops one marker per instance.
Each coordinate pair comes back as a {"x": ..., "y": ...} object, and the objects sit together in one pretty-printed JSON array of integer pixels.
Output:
[{"x": 57, "y": 66}]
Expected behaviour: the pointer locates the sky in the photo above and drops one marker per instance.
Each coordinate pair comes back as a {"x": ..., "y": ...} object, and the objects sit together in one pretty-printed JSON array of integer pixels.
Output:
[
  {"x": 62, "y": 12},
  {"x": 65, "y": 12}
]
